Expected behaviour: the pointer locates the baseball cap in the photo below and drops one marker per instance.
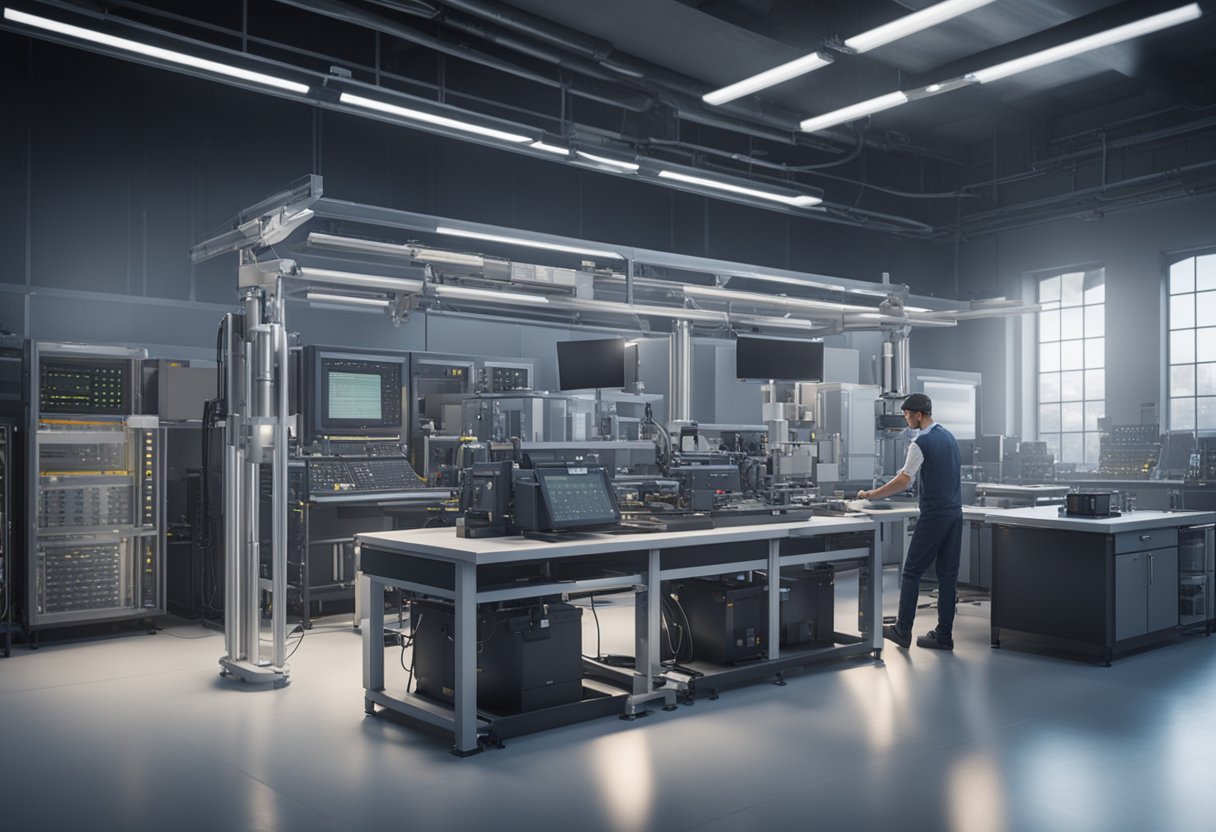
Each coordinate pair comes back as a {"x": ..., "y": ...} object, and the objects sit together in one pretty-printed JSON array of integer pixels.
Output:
[{"x": 918, "y": 401}]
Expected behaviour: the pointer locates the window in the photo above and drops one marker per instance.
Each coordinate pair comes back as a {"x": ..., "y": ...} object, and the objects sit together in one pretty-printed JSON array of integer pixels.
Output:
[
  {"x": 1072, "y": 358},
  {"x": 1192, "y": 344}
]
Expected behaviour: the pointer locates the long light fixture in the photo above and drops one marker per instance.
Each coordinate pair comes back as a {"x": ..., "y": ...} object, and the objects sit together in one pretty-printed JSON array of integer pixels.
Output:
[
  {"x": 330, "y": 277},
  {"x": 1144, "y": 26},
  {"x": 778, "y": 301},
  {"x": 796, "y": 201},
  {"x": 606, "y": 161},
  {"x": 316, "y": 238},
  {"x": 555, "y": 149},
  {"x": 432, "y": 118},
  {"x": 768, "y": 78},
  {"x": 912, "y": 23},
  {"x": 469, "y": 293},
  {"x": 1137, "y": 28},
  {"x": 523, "y": 241},
  {"x": 346, "y": 300},
  {"x": 156, "y": 52},
  {"x": 853, "y": 112},
  {"x": 678, "y": 313}
]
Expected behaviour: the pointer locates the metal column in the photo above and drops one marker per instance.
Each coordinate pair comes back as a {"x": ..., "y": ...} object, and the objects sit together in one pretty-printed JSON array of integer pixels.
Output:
[
  {"x": 256, "y": 436},
  {"x": 679, "y": 384}
]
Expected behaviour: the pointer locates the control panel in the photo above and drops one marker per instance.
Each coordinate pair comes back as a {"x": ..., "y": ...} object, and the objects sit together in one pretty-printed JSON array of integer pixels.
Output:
[
  {"x": 331, "y": 476},
  {"x": 94, "y": 386},
  {"x": 1203, "y": 461},
  {"x": 1129, "y": 451},
  {"x": 94, "y": 496},
  {"x": 504, "y": 379}
]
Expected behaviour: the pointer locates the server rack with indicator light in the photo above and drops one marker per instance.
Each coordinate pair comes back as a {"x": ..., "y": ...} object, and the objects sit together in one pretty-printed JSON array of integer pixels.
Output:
[{"x": 95, "y": 506}]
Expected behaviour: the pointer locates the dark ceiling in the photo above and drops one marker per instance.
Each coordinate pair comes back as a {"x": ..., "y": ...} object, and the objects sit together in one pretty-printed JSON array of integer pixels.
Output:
[{"x": 1091, "y": 134}]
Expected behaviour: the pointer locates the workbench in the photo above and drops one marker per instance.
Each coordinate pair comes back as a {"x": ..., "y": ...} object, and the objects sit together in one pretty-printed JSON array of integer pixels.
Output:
[
  {"x": 1101, "y": 586},
  {"x": 438, "y": 564}
]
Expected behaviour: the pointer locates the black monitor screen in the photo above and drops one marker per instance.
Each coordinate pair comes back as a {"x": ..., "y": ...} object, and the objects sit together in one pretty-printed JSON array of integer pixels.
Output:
[
  {"x": 774, "y": 358},
  {"x": 583, "y": 365},
  {"x": 357, "y": 394},
  {"x": 577, "y": 497}
]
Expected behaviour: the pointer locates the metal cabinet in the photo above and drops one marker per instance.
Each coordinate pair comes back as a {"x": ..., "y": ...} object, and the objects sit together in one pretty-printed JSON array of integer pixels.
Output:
[{"x": 1146, "y": 592}]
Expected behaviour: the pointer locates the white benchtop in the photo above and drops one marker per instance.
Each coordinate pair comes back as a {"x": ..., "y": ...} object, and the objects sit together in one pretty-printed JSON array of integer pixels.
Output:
[
  {"x": 445, "y": 545},
  {"x": 1049, "y": 517}
]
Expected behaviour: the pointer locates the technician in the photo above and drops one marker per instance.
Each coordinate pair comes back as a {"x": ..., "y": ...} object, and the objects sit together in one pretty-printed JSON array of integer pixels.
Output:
[{"x": 939, "y": 531}]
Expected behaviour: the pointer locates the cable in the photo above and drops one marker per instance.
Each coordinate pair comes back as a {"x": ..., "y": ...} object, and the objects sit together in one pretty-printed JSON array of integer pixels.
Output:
[
  {"x": 409, "y": 642},
  {"x": 185, "y": 638},
  {"x": 300, "y": 641},
  {"x": 598, "y": 652}
]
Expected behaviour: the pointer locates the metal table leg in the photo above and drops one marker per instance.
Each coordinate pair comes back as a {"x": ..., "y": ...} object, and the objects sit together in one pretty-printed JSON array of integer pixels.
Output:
[
  {"x": 373, "y": 641},
  {"x": 465, "y": 704}
]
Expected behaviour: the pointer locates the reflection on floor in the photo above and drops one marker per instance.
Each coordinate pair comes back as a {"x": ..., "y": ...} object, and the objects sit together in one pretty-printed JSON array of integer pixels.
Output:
[{"x": 139, "y": 732}]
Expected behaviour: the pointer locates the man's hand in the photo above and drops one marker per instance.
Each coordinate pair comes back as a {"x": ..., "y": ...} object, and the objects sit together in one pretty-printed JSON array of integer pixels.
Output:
[{"x": 863, "y": 494}]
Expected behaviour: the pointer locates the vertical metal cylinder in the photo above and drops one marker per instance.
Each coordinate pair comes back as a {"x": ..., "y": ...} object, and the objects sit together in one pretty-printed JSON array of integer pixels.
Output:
[
  {"x": 887, "y": 369},
  {"x": 278, "y": 612},
  {"x": 232, "y": 541},
  {"x": 902, "y": 364},
  {"x": 679, "y": 381}
]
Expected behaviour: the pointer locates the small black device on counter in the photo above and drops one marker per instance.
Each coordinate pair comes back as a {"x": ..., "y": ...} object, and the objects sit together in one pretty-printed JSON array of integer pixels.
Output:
[
  {"x": 564, "y": 496},
  {"x": 485, "y": 500},
  {"x": 1092, "y": 504}
]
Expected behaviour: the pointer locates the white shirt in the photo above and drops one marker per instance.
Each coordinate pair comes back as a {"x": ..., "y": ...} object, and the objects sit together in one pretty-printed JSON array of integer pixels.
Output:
[{"x": 916, "y": 456}]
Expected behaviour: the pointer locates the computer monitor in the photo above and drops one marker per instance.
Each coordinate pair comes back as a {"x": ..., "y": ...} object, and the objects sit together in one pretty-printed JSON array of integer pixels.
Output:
[
  {"x": 778, "y": 359},
  {"x": 353, "y": 393},
  {"x": 594, "y": 364},
  {"x": 577, "y": 496}
]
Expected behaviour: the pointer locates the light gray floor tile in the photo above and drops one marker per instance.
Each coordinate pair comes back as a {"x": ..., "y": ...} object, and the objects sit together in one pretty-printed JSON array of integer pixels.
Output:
[{"x": 145, "y": 733}]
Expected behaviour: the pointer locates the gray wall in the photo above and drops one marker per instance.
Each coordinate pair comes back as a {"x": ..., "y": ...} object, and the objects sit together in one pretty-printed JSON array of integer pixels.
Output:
[{"x": 1133, "y": 246}]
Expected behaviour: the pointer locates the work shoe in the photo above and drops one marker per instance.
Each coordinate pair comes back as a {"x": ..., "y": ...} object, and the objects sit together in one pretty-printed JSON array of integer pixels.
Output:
[
  {"x": 892, "y": 633},
  {"x": 934, "y": 642}
]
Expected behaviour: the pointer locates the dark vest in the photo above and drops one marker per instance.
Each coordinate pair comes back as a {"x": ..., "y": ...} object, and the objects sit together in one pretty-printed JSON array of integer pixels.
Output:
[{"x": 940, "y": 493}]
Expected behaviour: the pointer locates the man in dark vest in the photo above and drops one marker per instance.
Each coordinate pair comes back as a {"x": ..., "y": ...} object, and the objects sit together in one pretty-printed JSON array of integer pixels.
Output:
[{"x": 939, "y": 531}]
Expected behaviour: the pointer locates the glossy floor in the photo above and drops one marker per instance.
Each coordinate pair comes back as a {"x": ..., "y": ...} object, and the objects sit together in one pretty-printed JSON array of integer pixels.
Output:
[{"x": 139, "y": 732}]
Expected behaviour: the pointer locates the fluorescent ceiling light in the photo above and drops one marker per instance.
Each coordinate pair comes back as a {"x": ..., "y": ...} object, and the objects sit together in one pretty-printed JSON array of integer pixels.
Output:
[
  {"x": 431, "y": 118},
  {"x": 469, "y": 293},
  {"x": 853, "y": 112},
  {"x": 912, "y": 23},
  {"x": 449, "y": 258},
  {"x": 160, "y": 54},
  {"x": 792, "y": 281},
  {"x": 345, "y": 300},
  {"x": 775, "y": 322},
  {"x": 316, "y": 238},
  {"x": 779, "y": 301},
  {"x": 556, "y": 150},
  {"x": 613, "y": 163},
  {"x": 521, "y": 241},
  {"x": 800, "y": 201},
  {"x": 360, "y": 281},
  {"x": 675, "y": 312},
  {"x": 1144, "y": 26},
  {"x": 768, "y": 78}
]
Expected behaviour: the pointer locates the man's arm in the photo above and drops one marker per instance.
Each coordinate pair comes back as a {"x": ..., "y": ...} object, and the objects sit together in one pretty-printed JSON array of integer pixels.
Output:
[{"x": 899, "y": 483}]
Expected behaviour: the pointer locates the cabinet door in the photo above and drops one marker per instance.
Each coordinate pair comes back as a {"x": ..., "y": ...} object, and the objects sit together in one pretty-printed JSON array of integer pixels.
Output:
[
  {"x": 1131, "y": 595},
  {"x": 1162, "y": 589}
]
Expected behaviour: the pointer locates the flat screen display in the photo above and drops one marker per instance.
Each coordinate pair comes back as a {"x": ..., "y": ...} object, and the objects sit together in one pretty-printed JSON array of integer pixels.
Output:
[
  {"x": 778, "y": 359},
  {"x": 594, "y": 364},
  {"x": 577, "y": 497},
  {"x": 354, "y": 396},
  {"x": 350, "y": 393}
]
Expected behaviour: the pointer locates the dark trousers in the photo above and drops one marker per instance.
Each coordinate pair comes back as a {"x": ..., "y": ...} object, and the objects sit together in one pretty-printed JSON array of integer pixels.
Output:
[{"x": 935, "y": 537}]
